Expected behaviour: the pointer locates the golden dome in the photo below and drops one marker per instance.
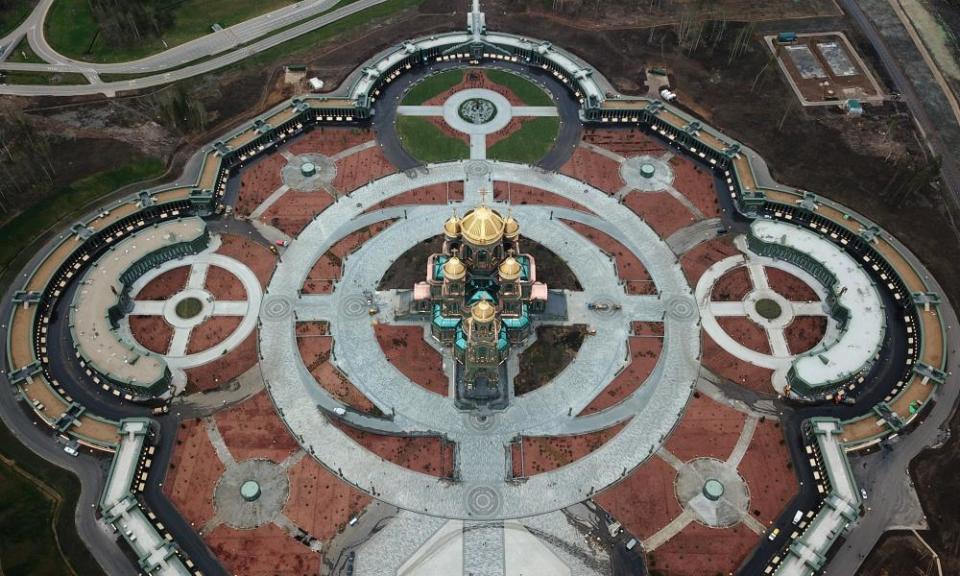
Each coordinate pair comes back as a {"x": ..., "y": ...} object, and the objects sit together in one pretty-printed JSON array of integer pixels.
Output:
[
  {"x": 511, "y": 227},
  {"x": 453, "y": 269},
  {"x": 483, "y": 311},
  {"x": 510, "y": 269},
  {"x": 482, "y": 226},
  {"x": 452, "y": 226}
]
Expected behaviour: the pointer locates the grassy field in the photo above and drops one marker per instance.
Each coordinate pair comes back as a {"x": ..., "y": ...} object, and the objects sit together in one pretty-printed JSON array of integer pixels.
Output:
[
  {"x": 15, "y": 13},
  {"x": 44, "y": 78},
  {"x": 39, "y": 535},
  {"x": 72, "y": 30},
  {"x": 67, "y": 203},
  {"x": 23, "y": 53},
  {"x": 530, "y": 93},
  {"x": 528, "y": 144},
  {"x": 431, "y": 86},
  {"x": 428, "y": 143}
]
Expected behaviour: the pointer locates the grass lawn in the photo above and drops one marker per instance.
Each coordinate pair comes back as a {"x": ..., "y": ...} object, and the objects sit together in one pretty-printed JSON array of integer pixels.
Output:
[
  {"x": 67, "y": 203},
  {"x": 71, "y": 27},
  {"x": 428, "y": 143},
  {"x": 23, "y": 53},
  {"x": 45, "y": 78},
  {"x": 14, "y": 14},
  {"x": 527, "y": 91},
  {"x": 528, "y": 144},
  {"x": 431, "y": 86}
]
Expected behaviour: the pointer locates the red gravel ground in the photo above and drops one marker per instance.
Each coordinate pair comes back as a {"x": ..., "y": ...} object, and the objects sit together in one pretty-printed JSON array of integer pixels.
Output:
[
  {"x": 256, "y": 256},
  {"x": 165, "y": 285},
  {"x": 327, "y": 268},
  {"x": 644, "y": 352},
  {"x": 330, "y": 141},
  {"x": 433, "y": 194},
  {"x": 319, "y": 501},
  {"x": 768, "y": 471},
  {"x": 805, "y": 332},
  {"x": 546, "y": 453},
  {"x": 253, "y": 429},
  {"x": 732, "y": 286},
  {"x": 598, "y": 171},
  {"x": 789, "y": 286},
  {"x": 211, "y": 332},
  {"x": 623, "y": 141},
  {"x": 294, "y": 210},
  {"x": 259, "y": 181},
  {"x": 223, "y": 285},
  {"x": 629, "y": 267},
  {"x": 746, "y": 332},
  {"x": 357, "y": 169},
  {"x": 729, "y": 366},
  {"x": 696, "y": 183},
  {"x": 315, "y": 351},
  {"x": 410, "y": 353},
  {"x": 647, "y": 328},
  {"x": 426, "y": 454},
  {"x": 225, "y": 368},
  {"x": 696, "y": 260},
  {"x": 700, "y": 551},
  {"x": 520, "y": 194},
  {"x": 661, "y": 211},
  {"x": 703, "y": 419},
  {"x": 644, "y": 501},
  {"x": 193, "y": 473},
  {"x": 264, "y": 551},
  {"x": 152, "y": 332}
]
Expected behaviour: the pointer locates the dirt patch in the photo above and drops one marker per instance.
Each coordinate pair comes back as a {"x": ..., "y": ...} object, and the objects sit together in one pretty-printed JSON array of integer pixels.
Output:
[
  {"x": 426, "y": 454},
  {"x": 211, "y": 332},
  {"x": 164, "y": 286},
  {"x": 789, "y": 286},
  {"x": 746, "y": 332},
  {"x": 327, "y": 269},
  {"x": 898, "y": 553},
  {"x": 552, "y": 270},
  {"x": 319, "y": 502},
  {"x": 545, "y": 359},
  {"x": 253, "y": 429},
  {"x": 360, "y": 168},
  {"x": 644, "y": 501},
  {"x": 258, "y": 181},
  {"x": 545, "y": 453},
  {"x": 433, "y": 194},
  {"x": 732, "y": 286},
  {"x": 256, "y": 256},
  {"x": 705, "y": 418},
  {"x": 152, "y": 332},
  {"x": 704, "y": 255},
  {"x": 194, "y": 471},
  {"x": 697, "y": 184},
  {"x": 315, "y": 351},
  {"x": 626, "y": 142},
  {"x": 411, "y": 266},
  {"x": 223, "y": 285},
  {"x": 698, "y": 550},
  {"x": 661, "y": 211},
  {"x": 721, "y": 362},
  {"x": 644, "y": 352},
  {"x": 518, "y": 194},
  {"x": 596, "y": 170},
  {"x": 294, "y": 210},
  {"x": 330, "y": 141},
  {"x": 225, "y": 368},
  {"x": 768, "y": 470},
  {"x": 264, "y": 551},
  {"x": 805, "y": 332},
  {"x": 406, "y": 349}
]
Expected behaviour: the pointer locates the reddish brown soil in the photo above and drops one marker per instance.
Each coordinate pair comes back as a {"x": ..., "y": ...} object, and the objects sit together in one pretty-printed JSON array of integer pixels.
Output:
[
  {"x": 294, "y": 210},
  {"x": 152, "y": 332},
  {"x": 224, "y": 369},
  {"x": 406, "y": 349},
  {"x": 661, "y": 211},
  {"x": 546, "y": 453},
  {"x": 257, "y": 257},
  {"x": 698, "y": 551},
  {"x": 598, "y": 171},
  {"x": 520, "y": 194},
  {"x": 705, "y": 418},
  {"x": 697, "y": 184},
  {"x": 264, "y": 551},
  {"x": 224, "y": 285},
  {"x": 630, "y": 269},
  {"x": 433, "y": 194},
  {"x": 315, "y": 351},
  {"x": 805, "y": 332},
  {"x": 319, "y": 502},
  {"x": 732, "y": 286},
  {"x": 357, "y": 169},
  {"x": 644, "y": 501},
  {"x": 696, "y": 260},
  {"x": 194, "y": 471},
  {"x": 312, "y": 328},
  {"x": 211, "y": 332},
  {"x": 426, "y": 454},
  {"x": 253, "y": 429},
  {"x": 327, "y": 268},
  {"x": 259, "y": 181},
  {"x": 746, "y": 332},
  {"x": 729, "y": 366},
  {"x": 644, "y": 352},
  {"x": 769, "y": 472},
  {"x": 165, "y": 285},
  {"x": 647, "y": 328},
  {"x": 625, "y": 142},
  {"x": 330, "y": 141},
  {"x": 789, "y": 286}
]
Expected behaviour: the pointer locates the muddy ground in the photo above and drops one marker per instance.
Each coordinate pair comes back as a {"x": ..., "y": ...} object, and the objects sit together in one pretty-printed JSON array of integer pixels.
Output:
[{"x": 899, "y": 554}]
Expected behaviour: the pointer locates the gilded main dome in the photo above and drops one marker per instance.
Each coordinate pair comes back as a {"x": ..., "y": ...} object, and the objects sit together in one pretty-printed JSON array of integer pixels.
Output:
[
  {"x": 453, "y": 269},
  {"x": 510, "y": 269},
  {"x": 482, "y": 226},
  {"x": 483, "y": 311}
]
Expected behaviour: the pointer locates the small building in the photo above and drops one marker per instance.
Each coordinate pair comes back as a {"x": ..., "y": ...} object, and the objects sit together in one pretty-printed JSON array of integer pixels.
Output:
[{"x": 853, "y": 107}]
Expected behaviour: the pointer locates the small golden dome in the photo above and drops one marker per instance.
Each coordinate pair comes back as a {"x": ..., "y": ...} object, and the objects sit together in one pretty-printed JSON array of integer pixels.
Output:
[
  {"x": 453, "y": 269},
  {"x": 483, "y": 311},
  {"x": 511, "y": 227},
  {"x": 482, "y": 226},
  {"x": 452, "y": 226},
  {"x": 510, "y": 269}
]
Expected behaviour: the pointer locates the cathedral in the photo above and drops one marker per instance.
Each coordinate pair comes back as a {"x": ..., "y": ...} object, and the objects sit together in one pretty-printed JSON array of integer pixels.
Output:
[{"x": 480, "y": 292}]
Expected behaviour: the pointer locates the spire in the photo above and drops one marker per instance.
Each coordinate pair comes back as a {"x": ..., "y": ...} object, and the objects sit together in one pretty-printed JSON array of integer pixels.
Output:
[{"x": 476, "y": 22}]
